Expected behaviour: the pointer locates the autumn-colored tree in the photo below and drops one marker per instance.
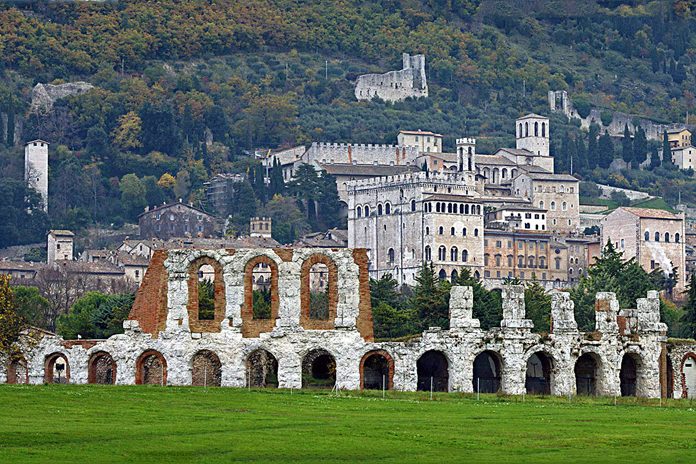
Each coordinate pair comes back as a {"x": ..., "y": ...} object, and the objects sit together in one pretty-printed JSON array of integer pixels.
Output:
[
  {"x": 11, "y": 324},
  {"x": 127, "y": 134}
]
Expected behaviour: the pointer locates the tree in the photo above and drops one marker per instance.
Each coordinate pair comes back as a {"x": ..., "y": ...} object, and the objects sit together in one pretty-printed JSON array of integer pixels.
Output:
[
  {"x": 688, "y": 318},
  {"x": 605, "y": 151},
  {"x": 182, "y": 186},
  {"x": 31, "y": 305},
  {"x": 592, "y": 149},
  {"x": 277, "y": 184},
  {"x": 126, "y": 135},
  {"x": 10, "y": 125},
  {"x": 430, "y": 299},
  {"x": 159, "y": 130},
  {"x": 216, "y": 121},
  {"x": 95, "y": 315},
  {"x": 627, "y": 146},
  {"x": 390, "y": 322},
  {"x": 132, "y": 195},
  {"x": 538, "y": 306},
  {"x": 640, "y": 147},
  {"x": 384, "y": 290},
  {"x": 22, "y": 220},
  {"x": 655, "y": 160},
  {"x": 328, "y": 202},
  {"x": 11, "y": 323},
  {"x": 288, "y": 221}
]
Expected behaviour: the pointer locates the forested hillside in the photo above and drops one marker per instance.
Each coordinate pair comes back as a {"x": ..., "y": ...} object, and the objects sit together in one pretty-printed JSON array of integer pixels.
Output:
[{"x": 270, "y": 73}]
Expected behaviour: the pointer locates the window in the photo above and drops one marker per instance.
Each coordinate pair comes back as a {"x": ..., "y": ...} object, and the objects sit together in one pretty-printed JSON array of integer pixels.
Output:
[
  {"x": 475, "y": 232},
  {"x": 465, "y": 256},
  {"x": 657, "y": 236},
  {"x": 452, "y": 233},
  {"x": 427, "y": 231},
  {"x": 390, "y": 255},
  {"x": 428, "y": 253},
  {"x": 520, "y": 261},
  {"x": 379, "y": 209},
  {"x": 667, "y": 237},
  {"x": 485, "y": 260},
  {"x": 510, "y": 260},
  {"x": 564, "y": 206},
  {"x": 442, "y": 253},
  {"x": 387, "y": 208},
  {"x": 454, "y": 254},
  {"x": 623, "y": 243},
  {"x": 652, "y": 264},
  {"x": 558, "y": 263},
  {"x": 647, "y": 236},
  {"x": 464, "y": 232},
  {"x": 676, "y": 238},
  {"x": 441, "y": 230},
  {"x": 497, "y": 260},
  {"x": 498, "y": 244},
  {"x": 553, "y": 206},
  {"x": 413, "y": 205}
]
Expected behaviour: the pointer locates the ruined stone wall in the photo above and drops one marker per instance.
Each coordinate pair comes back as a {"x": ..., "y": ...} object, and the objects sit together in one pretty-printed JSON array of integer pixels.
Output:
[
  {"x": 395, "y": 85},
  {"x": 163, "y": 346}
]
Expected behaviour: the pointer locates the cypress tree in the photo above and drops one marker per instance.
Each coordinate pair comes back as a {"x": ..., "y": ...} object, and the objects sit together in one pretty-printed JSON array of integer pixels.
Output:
[
  {"x": 627, "y": 146},
  {"x": 666, "y": 152},
  {"x": 592, "y": 152},
  {"x": 640, "y": 147},
  {"x": 654, "y": 159},
  {"x": 581, "y": 151},
  {"x": 605, "y": 150},
  {"x": 10, "y": 125},
  {"x": 688, "y": 319}
]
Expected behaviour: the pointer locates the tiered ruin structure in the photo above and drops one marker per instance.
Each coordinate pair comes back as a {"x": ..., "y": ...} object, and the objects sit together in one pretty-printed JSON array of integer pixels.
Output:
[{"x": 169, "y": 340}]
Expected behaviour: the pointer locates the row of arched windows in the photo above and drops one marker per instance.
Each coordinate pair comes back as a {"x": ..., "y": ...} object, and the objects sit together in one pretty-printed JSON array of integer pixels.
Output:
[
  {"x": 453, "y": 208},
  {"x": 382, "y": 209},
  {"x": 496, "y": 175},
  {"x": 453, "y": 231},
  {"x": 666, "y": 237},
  {"x": 442, "y": 254},
  {"x": 525, "y": 133}
]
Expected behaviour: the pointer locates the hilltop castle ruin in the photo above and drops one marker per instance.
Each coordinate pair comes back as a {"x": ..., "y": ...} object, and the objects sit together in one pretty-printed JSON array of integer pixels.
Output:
[{"x": 395, "y": 85}]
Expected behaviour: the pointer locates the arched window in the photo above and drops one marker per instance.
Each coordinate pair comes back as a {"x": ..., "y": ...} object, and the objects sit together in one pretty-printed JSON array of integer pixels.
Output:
[
  {"x": 657, "y": 236},
  {"x": 461, "y": 209},
  {"x": 387, "y": 208},
  {"x": 260, "y": 308},
  {"x": 553, "y": 206},
  {"x": 464, "y": 232},
  {"x": 413, "y": 205},
  {"x": 526, "y": 129},
  {"x": 427, "y": 231},
  {"x": 359, "y": 211},
  {"x": 454, "y": 254},
  {"x": 667, "y": 237},
  {"x": 318, "y": 292},
  {"x": 564, "y": 206},
  {"x": 510, "y": 260},
  {"x": 465, "y": 255},
  {"x": 390, "y": 255},
  {"x": 466, "y": 209},
  {"x": 437, "y": 207},
  {"x": 452, "y": 233},
  {"x": 442, "y": 253},
  {"x": 206, "y": 302},
  {"x": 536, "y": 129},
  {"x": 520, "y": 132},
  {"x": 379, "y": 209},
  {"x": 367, "y": 211},
  {"x": 541, "y": 204},
  {"x": 558, "y": 263},
  {"x": 503, "y": 173},
  {"x": 543, "y": 129},
  {"x": 520, "y": 261},
  {"x": 530, "y": 261},
  {"x": 428, "y": 253},
  {"x": 542, "y": 262},
  {"x": 449, "y": 207},
  {"x": 676, "y": 238},
  {"x": 647, "y": 236},
  {"x": 475, "y": 232},
  {"x": 441, "y": 230}
]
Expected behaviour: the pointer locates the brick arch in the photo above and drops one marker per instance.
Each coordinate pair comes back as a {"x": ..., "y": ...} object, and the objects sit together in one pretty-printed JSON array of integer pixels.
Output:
[
  {"x": 205, "y": 325},
  {"x": 139, "y": 364},
  {"x": 92, "y": 376},
  {"x": 682, "y": 377},
  {"x": 390, "y": 366},
  {"x": 49, "y": 364},
  {"x": 252, "y": 328},
  {"x": 305, "y": 321}
]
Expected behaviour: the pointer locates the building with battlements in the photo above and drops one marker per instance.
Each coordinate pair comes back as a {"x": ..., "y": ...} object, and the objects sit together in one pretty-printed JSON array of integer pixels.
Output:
[
  {"x": 393, "y": 86},
  {"x": 170, "y": 340}
]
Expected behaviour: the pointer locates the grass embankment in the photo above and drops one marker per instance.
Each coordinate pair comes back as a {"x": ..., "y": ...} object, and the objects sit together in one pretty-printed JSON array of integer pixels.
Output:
[{"x": 100, "y": 424}]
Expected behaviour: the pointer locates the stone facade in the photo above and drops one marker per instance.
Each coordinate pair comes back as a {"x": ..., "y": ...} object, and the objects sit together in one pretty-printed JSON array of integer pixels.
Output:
[
  {"x": 559, "y": 194},
  {"x": 36, "y": 168},
  {"x": 165, "y": 344},
  {"x": 177, "y": 220},
  {"x": 395, "y": 85}
]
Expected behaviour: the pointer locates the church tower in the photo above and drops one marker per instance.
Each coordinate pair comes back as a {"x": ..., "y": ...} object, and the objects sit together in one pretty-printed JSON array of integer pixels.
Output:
[
  {"x": 532, "y": 134},
  {"x": 36, "y": 168},
  {"x": 466, "y": 154}
]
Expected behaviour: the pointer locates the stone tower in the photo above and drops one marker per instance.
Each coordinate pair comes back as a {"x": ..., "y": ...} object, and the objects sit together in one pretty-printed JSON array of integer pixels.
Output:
[
  {"x": 260, "y": 227},
  {"x": 36, "y": 168},
  {"x": 59, "y": 246},
  {"x": 466, "y": 154},
  {"x": 532, "y": 134}
]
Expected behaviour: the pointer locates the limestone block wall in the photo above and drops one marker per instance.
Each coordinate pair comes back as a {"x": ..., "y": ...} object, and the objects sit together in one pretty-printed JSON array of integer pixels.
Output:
[
  {"x": 163, "y": 344},
  {"x": 395, "y": 85}
]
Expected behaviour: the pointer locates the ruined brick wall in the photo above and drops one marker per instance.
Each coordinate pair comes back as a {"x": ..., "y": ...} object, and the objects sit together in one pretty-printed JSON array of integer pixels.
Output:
[
  {"x": 150, "y": 306},
  {"x": 305, "y": 320}
]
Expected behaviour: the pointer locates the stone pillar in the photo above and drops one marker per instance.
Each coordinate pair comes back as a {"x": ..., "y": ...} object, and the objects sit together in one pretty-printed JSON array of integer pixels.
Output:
[
  {"x": 177, "y": 301},
  {"x": 513, "y": 308},
  {"x": 606, "y": 311},
  {"x": 652, "y": 333},
  {"x": 563, "y": 314},
  {"x": 648, "y": 313},
  {"x": 461, "y": 308}
]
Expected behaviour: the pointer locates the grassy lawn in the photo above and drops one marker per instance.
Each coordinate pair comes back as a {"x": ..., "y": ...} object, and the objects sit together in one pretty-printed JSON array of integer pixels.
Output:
[{"x": 100, "y": 424}]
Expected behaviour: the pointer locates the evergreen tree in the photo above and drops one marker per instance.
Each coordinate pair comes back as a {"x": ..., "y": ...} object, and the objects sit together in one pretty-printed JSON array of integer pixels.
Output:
[
  {"x": 277, "y": 185},
  {"x": 592, "y": 149},
  {"x": 627, "y": 146},
  {"x": 605, "y": 151},
  {"x": 306, "y": 186},
  {"x": 538, "y": 306},
  {"x": 259, "y": 183},
  {"x": 666, "y": 152},
  {"x": 430, "y": 299},
  {"x": 581, "y": 151},
  {"x": 245, "y": 207},
  {"x": 640, "y": 147},
  {"x": 655, "y": 161},
  {"x": 10, "y": 125},
  {"x": 11, "y": 324},
  {"x": 688, "y": 318}
]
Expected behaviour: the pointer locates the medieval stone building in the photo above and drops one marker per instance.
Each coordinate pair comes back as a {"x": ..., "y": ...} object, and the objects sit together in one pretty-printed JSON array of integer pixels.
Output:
[
  {"x": 393, "y": 86},
  {"x": 170, "y": 340}
]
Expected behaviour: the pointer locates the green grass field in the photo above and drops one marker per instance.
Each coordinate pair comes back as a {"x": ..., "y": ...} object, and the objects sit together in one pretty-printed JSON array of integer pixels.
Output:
[{"x": 101, "y": 424}]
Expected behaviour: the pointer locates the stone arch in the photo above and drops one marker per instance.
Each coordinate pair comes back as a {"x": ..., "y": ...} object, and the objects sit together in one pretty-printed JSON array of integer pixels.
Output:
[
  {"x": 261, "y": 369},
  {"x": 687, "y": 373},
  {"x": 487, "y": 369},
  {"x": 433, "y": 371},
  {"x": 376, "y": 371},
  {"x": 251, "y": 327},
  {"x": 18, "y": 371},
  {"x": 205, "y": 319},
  {"x": 631, "y": 364},
  {"x": 151, "y": 368},
  {"x": 56, "y": 368},
  {"x": 539, "y": 373},
  {"x": 587, "y": 374},
  {"x": 206, "y": 369},
  {"x": 536, "y": 128},
  {"x": 318, "y": 369},
  {"x": 101, "y": 369},
  {"x": 308, "y": 320}
]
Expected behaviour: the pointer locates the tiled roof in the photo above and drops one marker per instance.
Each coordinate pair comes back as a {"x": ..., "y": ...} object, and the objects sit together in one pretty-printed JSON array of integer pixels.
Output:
[
  {"x": 376, "y": 170},
  {"x": 651, "y": 213}
]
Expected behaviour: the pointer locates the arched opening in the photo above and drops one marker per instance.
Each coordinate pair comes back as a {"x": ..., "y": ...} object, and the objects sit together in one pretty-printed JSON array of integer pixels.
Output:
[
  {"x": 319, "y": 293},
  {"x": 629, "y": 375},
  {"x": 688, "y": 373},
  {"x": 318, "y": 369},
  {"x": 262, "y": 369},
  {"x": 377, "y": 371},
  {"x": 543, "y": 129},
  {"x": 56, "y": 369},
  {"x": 454, "y": 275},
  {"x": 206, "y": 298},
  {"x": 18, "y": 372},
  {"x": 487, "y": 372},
  {"x": 586, "y": 369},
  {"x": 442, "y": 275},
  {"x": 151, "y": 369},
  {"x": 358, "y": 211},
  {"x": 101, "y": 369},
  {"x": 538, "y": 378},
  {"x": 206, "y": 369},
  {"x": 433, "y": 372},
  {"x": 261, "y": 301},
  {"x": 536, "y": 129}
]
